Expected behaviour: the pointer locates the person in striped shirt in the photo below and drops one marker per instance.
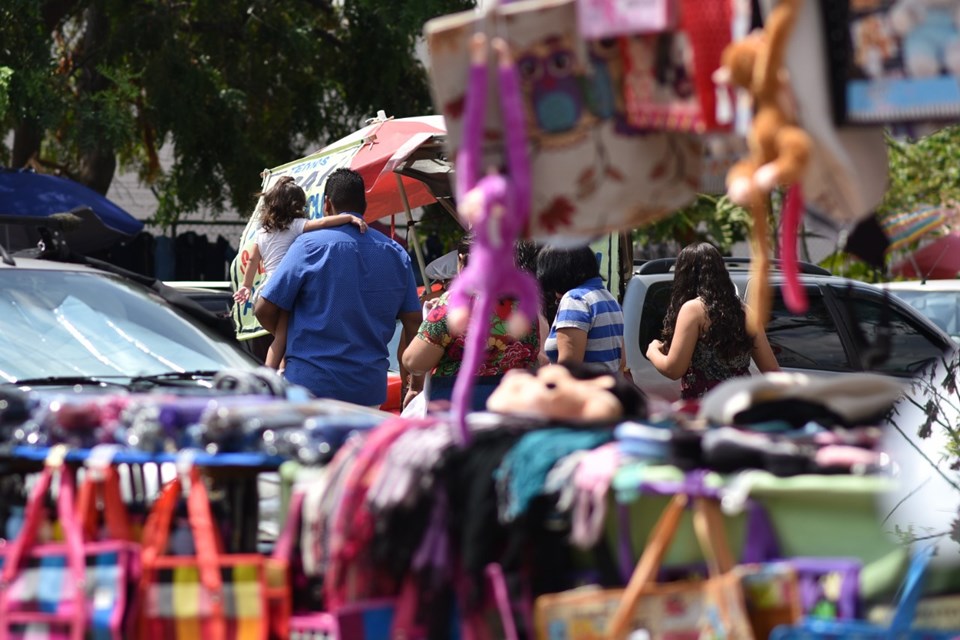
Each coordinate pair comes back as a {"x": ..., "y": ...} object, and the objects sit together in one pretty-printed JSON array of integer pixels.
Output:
[{"x": 588, "y": 326}]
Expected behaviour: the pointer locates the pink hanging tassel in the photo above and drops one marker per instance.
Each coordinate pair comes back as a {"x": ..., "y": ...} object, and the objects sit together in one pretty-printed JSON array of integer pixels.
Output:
[{"x": 794, "y": 295}]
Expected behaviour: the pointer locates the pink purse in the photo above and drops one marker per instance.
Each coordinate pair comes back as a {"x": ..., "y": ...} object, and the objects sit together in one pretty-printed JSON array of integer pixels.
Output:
[{"x": 63, "y": 589}]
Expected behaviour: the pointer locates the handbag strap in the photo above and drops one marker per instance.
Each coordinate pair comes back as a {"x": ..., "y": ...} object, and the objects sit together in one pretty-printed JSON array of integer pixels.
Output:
[
  {"x": 711, "y": 536},
  {"x": 911, "y": 591},
  {"x": 114, "y": 511},
  {"x": 156, "y": 530},
  {"x": 646, "y": 569},
  {"x": 284, "y": 548},
  {"x": 208, "y": 549},
  {"x": 157, "y": 534},
  {"x": 28, "y": 532},
  {"x": 501, "y": 597},
  {"x": 73, "y": 542}
]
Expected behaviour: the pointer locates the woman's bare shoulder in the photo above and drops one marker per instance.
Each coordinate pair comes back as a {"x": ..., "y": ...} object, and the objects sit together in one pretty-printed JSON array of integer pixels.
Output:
[{"x": 694, "y": 306}]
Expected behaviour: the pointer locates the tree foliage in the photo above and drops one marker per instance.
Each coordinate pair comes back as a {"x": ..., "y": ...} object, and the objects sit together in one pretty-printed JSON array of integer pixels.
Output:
[
  {"x": 923, "y": 172},
  {"x": 232, "y": 87},
  {"x": 709, "y": 218}
]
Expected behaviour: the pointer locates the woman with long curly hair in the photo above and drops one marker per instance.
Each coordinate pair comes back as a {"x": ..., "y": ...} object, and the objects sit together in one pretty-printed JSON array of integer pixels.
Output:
[{"x": 705, "y": 338}]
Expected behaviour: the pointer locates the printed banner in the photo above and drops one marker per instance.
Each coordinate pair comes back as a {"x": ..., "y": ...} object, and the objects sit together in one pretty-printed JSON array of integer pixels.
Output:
[{"x": 311, "y": 174}]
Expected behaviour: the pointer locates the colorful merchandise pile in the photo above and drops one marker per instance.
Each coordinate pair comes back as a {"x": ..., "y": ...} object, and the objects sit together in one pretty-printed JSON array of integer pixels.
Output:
[{"x": 393, "y": 530}]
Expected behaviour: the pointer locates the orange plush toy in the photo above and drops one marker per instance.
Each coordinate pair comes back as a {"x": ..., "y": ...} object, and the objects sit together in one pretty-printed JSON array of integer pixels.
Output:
[{"x": 779, "y": 149}]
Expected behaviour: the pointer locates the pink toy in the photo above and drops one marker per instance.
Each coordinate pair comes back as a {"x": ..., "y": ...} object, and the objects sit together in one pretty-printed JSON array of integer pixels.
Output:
[{"x": 497, "y": 208}]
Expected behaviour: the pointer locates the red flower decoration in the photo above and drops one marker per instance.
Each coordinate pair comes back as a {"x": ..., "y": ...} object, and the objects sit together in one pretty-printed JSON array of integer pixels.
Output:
[
  {"x": 518, "y": 355},
  {"x": 504, "y": 309},
  {"x": 455, "y": 350},
  {"x": 487, "y": 369},
  {"x": 558, "y": 213},
  {"x": 437, "y": 314}
]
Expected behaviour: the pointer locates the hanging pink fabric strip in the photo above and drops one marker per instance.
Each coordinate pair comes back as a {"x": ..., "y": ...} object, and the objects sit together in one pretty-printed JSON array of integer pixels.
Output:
[{"x": 794, "y": 294}]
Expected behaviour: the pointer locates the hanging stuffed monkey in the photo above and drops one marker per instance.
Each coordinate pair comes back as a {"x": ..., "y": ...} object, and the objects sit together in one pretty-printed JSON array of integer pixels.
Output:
[
  {"x": 779, "y": 150},
  {"x": 497, "y": 207}
]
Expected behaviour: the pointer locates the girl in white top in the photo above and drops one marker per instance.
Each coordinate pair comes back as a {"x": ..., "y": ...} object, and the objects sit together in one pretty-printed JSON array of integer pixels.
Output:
[{"x": 282, "y": 219}]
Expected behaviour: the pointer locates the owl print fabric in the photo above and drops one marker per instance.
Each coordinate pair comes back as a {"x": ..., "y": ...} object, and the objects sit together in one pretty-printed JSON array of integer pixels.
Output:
[{"x": 593, "y": 171}]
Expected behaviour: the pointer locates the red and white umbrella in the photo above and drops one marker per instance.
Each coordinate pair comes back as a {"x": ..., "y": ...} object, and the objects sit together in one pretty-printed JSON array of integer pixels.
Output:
[
  {"x": 936, "y": 260},
  {"x": 372, "y": 151}
]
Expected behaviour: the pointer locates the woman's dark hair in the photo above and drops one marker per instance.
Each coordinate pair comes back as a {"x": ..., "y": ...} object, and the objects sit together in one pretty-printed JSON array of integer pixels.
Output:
[
  {"x": 559, "y": 270},
  {"x": 700, "y": 272},
  {"x": 282, "y": 203},
  {"x": 525, "y": 252}
]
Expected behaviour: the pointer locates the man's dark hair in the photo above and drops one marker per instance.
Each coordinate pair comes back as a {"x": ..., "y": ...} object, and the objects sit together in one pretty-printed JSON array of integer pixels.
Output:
[{"x": 346, "y": 192}]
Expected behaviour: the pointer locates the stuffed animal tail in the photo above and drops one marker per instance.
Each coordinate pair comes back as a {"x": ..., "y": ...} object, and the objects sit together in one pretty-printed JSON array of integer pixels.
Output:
[
  {"x": 794, "y": 295},
  {"x": 474, "y": 350}
]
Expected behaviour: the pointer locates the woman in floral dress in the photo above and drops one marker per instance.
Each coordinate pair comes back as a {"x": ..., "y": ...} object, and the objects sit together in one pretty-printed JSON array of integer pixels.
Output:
[{"x": 440, "y": 353}]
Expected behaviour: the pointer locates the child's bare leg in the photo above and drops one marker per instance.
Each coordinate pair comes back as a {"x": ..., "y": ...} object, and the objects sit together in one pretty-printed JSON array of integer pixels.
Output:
[{"x": 279, "y": 345}]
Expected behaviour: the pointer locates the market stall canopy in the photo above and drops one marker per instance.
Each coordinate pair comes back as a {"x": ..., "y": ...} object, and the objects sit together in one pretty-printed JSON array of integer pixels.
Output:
[
  {"x": 367, "y": 151},
  {"x": 98, "y": 223},
  {"x": 387, "y": 154},
  {"x": 936, "y": 260}
]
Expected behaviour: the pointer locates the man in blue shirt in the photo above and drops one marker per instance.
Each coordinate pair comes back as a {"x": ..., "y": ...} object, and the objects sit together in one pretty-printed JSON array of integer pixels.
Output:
[{"x": 344, "y": 291}]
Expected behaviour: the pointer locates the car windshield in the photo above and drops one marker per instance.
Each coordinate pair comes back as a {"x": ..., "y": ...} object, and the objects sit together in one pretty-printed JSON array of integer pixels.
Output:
[
  {"x": 942, "y": 307},
  {"x": 83, "y": 324}
]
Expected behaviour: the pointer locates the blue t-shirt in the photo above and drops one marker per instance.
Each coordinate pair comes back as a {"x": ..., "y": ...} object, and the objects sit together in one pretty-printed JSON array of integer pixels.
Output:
[
  {"x": 594, "y": 310},
  {"x": 344, "y": 291}
]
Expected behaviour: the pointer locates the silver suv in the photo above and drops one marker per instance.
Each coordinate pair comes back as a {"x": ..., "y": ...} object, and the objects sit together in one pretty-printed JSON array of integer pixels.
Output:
[{"x": 849, "y": 325}]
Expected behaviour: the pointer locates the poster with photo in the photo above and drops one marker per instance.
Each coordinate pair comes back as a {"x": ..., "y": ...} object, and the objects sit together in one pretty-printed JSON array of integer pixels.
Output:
[{"x": 905, "y": 61}]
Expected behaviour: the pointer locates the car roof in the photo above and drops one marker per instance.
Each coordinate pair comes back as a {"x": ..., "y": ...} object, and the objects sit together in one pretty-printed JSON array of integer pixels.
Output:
[
  {"x": 923, "y": 285},
  {"x": 45, "y": 264}
]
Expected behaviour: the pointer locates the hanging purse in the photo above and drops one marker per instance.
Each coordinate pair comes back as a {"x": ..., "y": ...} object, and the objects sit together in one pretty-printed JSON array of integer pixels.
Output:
[
  {"x": 900, "y": 626},
  {"x": 668, "y": 83},
  {"x": 592, "y": 172},
  {"x": 67, "y": 589},
  {"x": 606, "y": 18},
  {"x": 207, "y": 595},
  {"x": 689, "y": 608}
]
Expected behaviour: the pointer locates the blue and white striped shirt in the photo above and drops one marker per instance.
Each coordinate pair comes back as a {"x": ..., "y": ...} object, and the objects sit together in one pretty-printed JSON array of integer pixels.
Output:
[{"x": 593, "y": 309}]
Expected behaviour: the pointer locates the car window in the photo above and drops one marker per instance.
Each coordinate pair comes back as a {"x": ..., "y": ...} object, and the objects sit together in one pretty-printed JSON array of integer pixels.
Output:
[
  {"x": 809, "y": 340},
  {"x": 63, "y": 323},
  {"x": 655, "y": 305},
  {"x": 394, "y": 365},
  {"x": 910, "y": 347},
  {"x": 941, "y": 307}
]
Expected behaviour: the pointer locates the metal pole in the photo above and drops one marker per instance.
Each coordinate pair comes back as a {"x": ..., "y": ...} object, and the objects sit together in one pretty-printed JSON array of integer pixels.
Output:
[{"x": 411, "y": 227}]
